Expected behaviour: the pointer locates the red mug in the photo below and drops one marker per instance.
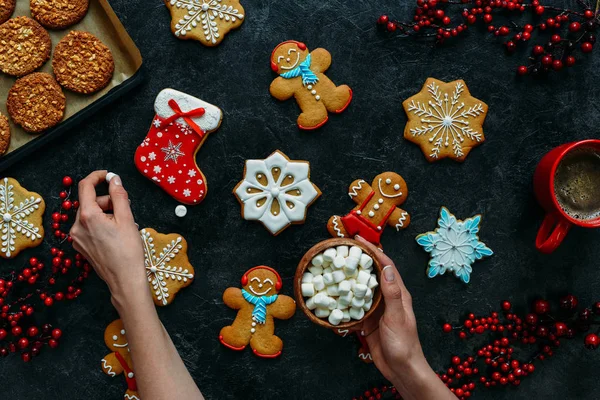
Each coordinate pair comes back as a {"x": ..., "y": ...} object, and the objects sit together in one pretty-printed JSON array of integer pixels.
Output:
[{"x": 557, "y": 222}]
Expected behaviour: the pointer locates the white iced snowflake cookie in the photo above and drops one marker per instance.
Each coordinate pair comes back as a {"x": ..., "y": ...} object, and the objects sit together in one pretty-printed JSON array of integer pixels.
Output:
[
  {"x": 445, "y": 120},
  {"x": 276, "y": 191},
  {"x": 167, "y": 266},
  {"x": 207, "y": 21},
  {"x": 21, "y": 212}
]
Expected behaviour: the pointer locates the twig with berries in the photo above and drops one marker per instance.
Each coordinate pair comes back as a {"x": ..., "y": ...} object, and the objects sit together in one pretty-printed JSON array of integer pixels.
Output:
[
  {"x": 21, "y": 289},
  {"x": 570, "y": 30}
]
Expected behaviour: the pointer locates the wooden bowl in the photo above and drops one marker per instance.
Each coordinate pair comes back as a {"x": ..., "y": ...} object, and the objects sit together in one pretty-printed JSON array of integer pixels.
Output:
[{"x": 306, "y": 262}]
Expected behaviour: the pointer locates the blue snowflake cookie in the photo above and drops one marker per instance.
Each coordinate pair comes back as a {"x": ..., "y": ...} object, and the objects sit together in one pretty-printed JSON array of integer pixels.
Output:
[{"x": 454, "y": 246}]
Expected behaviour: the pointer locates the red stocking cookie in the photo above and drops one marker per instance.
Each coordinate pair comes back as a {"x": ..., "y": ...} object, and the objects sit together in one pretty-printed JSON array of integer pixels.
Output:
[
  {"x": 302, "y": 75},
  {"x": 167, "y": 155},
  {"x": 119, "y": 361},
  {"x": 259, "y": 304},
  {"x": 377, "y": 207}
]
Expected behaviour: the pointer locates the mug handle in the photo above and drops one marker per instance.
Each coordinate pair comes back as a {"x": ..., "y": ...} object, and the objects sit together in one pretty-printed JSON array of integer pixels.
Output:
[{"x": 552, "y": 232}]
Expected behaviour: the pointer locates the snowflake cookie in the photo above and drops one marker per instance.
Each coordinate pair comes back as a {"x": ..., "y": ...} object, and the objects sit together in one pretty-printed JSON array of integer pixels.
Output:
[
  {"x": 454, "y": 246},
  {"x": 169, "y": 270},
  {"x": 207, "y": 21},
  {"x": 21, "y": 213},
  {"x": 276, "y": 191},
  {"x": 444, "y": 120}
]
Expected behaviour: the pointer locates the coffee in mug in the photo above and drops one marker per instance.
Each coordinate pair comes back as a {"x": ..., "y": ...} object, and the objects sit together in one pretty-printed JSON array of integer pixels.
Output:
[{"x": 577, "y": 183}]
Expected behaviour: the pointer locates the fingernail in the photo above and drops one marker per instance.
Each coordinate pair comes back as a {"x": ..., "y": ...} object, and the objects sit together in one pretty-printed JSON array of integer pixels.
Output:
[
  {"x": 117, "y": 180},
  {"x": 358, "y": 237},
  {"x": 388, "y": 274}
]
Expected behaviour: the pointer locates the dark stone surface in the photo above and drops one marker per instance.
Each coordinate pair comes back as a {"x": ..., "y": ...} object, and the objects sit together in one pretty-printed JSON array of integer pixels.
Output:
[{"x": 526, "y": 119}]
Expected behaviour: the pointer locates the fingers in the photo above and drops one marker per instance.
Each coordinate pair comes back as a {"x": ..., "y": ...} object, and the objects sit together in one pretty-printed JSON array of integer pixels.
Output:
[
  {"x": 87, "y": 189},
  {"x": 119, "y": 199},
  {"x": 104, "y": 203}
]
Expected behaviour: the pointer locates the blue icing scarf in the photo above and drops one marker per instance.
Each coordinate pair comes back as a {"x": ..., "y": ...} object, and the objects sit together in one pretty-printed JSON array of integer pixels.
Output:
[
  {"x": 260, "y": 305},
  {"x": 308, "y": 77}
]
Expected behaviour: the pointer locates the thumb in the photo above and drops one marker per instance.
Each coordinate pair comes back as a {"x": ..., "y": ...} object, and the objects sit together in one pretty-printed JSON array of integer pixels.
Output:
[
  {"x": 393, "y": 290},
  {"x": 119, "y": 199}
]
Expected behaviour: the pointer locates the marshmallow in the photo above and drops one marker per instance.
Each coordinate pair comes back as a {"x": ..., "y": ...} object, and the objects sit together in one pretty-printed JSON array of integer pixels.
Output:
[
  {"x": 332, "y": 303},
  {"x": 322, "y": 312},
  {"x": 355, "y": 251},
  {"x": 352, "y": 283},
  {"x": 310, "y": 303},
  {"x": 369, "y": 295},
  {"x": 329, "y": 254},
  {"x": 363, "y": 277},
  {"x": 321, "y": 300},
  {"x": 336, "y": 317},
  {"x": 338, "y": 276},
  {"x": 346, "y": 316},
  {"x": 342, "y": 251},
  {"x": 307, "y": 277},
  {"x": 346, "y": 298},
  {"x": 357, "y": 303},
  {"x": 373, "y": 282},
  {"x": 333, "y": 290},
  {"x": 344, "y": 287},
  {"x": 308, "y": 289},
  {"x": 368, "y": 305},
  {"x": 315, "y": 270},
  {"x": 365, "y": 261},
  {"x": 342, "y": 305},
  {"x": 328, "y": 279},
  {"x": 317, "y": 261},
  {"x": 339, "y": 262},
  {"x": 360, "y": 290},
  {"x": 355, "y": 313},
  {"x": 109, "y": 176},
  {"x": 348, "y": 272},
  {"x": 318, "y": 282},
  {"x": 180, "y": 210},
  {"x": 327, "y": 270},
  {"x": 352, "y": 262}
]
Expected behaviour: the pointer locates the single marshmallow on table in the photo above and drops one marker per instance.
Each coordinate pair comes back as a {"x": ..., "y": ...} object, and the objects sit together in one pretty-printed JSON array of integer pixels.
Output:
[
  {"x": 180, "y": 211},
  {"x": 109, "y": 176}
]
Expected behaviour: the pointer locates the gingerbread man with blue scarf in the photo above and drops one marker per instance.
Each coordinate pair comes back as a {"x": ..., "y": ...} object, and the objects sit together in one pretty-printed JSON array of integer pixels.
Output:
[
  {"x": 258, "y": 304},
  {"x": 302, "y": 75}
]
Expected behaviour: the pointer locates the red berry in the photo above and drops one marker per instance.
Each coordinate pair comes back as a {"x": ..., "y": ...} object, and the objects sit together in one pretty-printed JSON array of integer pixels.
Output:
[
  {"x": 592, "y": 341},
  {"x": 471, "y": 19},
  {"x": 555, "y": 38},
  {"x": 53, "y": 343},
  {"x": 48, "y": 301},
  {"x": 16, "y": 330},
  {"x": 383, "y": 20},
  {"x": 561, "y": 329},
  {"x": 26, "y": 357},
  {"x": 56, "y": 333},
  {"x": 570, "y": 61},
  {"x": 506, "y": 305},
  {"x": 574, "y": 26},
  {"x": 32, "y": 331},
  {"x": 391, "y": 26},
  {"x": 66, "y": 205},
  {"x": 487, "y": 18},
  {"x": 67, "y": 181},
  {"x": 455, "y": 360},
  {"x": 447, "y": 328},
  {"x": 23, "y": 343},
  {"x": 542, "y": 307},
  {"x": 539, "y": 10},
  {"x": 3, "y": 334},
  {"x": 56, "y": 217},
  {"x": 511, "y": 46},
  {"x": 587, "y": 47},
  {"x": 589, "y": 14},
  {"x": 528, "y": 28},
  {"x": 522, "y": 70},
  {"x": 63, "y": 195},
  {"x": 525, "y": 36},
  {"x": 503, "y": 31},
  {"x": 557, "y": 65},
  {"x": 569, "y": 302}
]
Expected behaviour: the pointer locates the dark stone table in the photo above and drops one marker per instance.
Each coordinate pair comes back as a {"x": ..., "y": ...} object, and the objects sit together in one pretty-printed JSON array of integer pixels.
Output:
[{"x": 526, "y": 119}]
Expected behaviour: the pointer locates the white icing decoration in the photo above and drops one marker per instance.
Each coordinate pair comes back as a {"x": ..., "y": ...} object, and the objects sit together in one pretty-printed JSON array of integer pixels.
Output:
[
  {"x": 130, "y": 375},
  {"x": 380, "y": 201},
  {"x": 274, "y": 191},
  {"x": 396, "y": 187},
  {"x": 172, "y": 152},
  {"x": 187, "y": 192},
  {"x": 152, "y": 156},
  {"x": 13, "y": 218},
  {"x": 108, "y": 368},
  {"x": 343, "y": 332},
  {"x": 180, "y": 211},
  {"x": 122, "y": 331},
  {"x": 444, "y": 117},
  {"x": 131, "y": 397},
  {"x": 115, "y": 337},
  {"x": 389, "y": 196},
  {"x": 202, "y": 15},
  {"x": 365, "y": 356},
  {"x": 317, "y": 97},
  {"x": 353, "y": 190},
  {"x": 208, "y": 122},
  {"x": 401, "y": 220},
  {"x": 371, "y": 214},
  {"x": 376, "y": 207},
  {"x": 336, "y": 226},
  {"x": 388, "y": 181},
  {"x": 157, "y": 268}
]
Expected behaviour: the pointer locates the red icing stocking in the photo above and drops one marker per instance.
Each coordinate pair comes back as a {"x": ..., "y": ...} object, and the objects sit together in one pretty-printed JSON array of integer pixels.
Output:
[{"x": 167, "y": 156}]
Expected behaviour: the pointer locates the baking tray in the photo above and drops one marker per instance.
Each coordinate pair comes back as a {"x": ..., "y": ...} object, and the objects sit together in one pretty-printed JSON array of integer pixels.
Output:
[{"x": 101, "y": 21}]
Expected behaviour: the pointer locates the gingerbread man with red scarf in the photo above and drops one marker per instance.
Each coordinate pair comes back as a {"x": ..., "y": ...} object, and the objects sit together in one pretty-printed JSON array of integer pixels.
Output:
[
  {"x": 167, "y": 156},
  {"x": 377, "y": 206},
  {"x": 119, "y": 361}
]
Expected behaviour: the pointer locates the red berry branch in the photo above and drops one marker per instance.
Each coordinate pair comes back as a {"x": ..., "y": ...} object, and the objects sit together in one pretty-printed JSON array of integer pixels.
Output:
[
  {"x": 25, "y": 294},
  {"x": 508, "y": 357},
  {"x": 570, "y": 32}
]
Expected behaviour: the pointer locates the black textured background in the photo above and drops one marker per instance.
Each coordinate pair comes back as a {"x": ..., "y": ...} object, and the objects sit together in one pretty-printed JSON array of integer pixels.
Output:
[{"x": 526, "y": 119}]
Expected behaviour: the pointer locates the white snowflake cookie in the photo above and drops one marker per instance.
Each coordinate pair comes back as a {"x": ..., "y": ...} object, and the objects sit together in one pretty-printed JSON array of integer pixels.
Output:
[
  {"x": 276, "y": 191},
  {"x": 21, "y": 213},
  {"x": 445, "y": 120},
  {"x": 207, "y": 21},
  {"x": 167, "y": 266}
]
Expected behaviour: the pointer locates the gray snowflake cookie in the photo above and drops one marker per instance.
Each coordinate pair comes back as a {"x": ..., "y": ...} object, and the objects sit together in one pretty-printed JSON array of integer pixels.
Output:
[
  {"x": 21, "y": 212},
  {"x": 445, "y": 120},
  {"x": 207, "y": 21}
]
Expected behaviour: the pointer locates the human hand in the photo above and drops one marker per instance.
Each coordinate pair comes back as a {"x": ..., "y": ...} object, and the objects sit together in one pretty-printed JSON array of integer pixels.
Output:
[{"x": 110, "y": 242}]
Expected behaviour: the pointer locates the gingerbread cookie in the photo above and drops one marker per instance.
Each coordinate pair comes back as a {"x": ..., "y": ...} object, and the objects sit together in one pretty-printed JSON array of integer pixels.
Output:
[
  {"x": 445, "y": 120},
  {"x": 82, "y": 63},
  {"x": 24, "y": 46},
  {"x": 119, "y": 361},
  {"x": 276, "y": 191},
  {"x": 377, "y": 207},
  {"x": 7, "y": 7},
  {"x": 258, "y": 304},
  {"x": 167, "y": 156},
  {"x": 302, "y": 75},
  {"x": 58, "y": 14},
  {"x": 168, "y": 270},
  {"x": 454, "y": 246},
  {"x": 4, "y": 134},
  {"x": 207, "y": 21},
  {"x": 21, "y": 212},
  {"x": 36, "y": 102}
]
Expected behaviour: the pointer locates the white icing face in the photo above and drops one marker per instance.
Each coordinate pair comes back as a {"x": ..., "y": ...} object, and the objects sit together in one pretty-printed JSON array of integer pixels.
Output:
[
  {"x": 290, "y": 56},
  {"x": 396, "y": 188},
  {"x": 261, "y": 287},
  {"x": 119, "y": 340}
]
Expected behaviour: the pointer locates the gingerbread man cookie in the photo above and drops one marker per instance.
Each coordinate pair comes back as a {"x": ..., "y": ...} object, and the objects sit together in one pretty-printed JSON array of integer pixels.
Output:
[
  {"x": 167, "y": 156},
  {"x": 119, "y": 361},
  {"x": 302, "y": 75},
  {"x": 445, "y": 120},
  {"x": 377, "y": 207},
  {"x": 258, "y": 304}
]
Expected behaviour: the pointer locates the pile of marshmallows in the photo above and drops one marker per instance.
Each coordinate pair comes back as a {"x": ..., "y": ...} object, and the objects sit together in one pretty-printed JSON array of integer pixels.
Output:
[{"x": 339, "y": 285}]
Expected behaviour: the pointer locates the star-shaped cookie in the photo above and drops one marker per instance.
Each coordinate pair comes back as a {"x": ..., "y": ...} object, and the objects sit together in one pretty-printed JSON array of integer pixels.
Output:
[
  {"x": 207, "y": 21},
  {"x": 445, "y": 120}
]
